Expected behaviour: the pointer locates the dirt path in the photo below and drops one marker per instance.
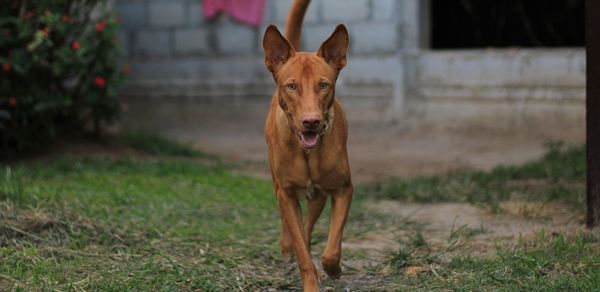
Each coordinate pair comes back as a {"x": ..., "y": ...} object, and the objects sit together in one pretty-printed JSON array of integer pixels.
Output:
[
  {"x": 449, "y": 230},
  {"x": 377, "y": 150},
  {"x": 442, "y": 223}
]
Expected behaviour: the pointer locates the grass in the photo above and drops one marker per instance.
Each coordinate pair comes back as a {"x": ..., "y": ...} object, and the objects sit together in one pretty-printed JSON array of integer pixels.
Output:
[
  {"x": 558, "y": 176},
  {"x": 153, "y": 143},
  {"x": 546, "y": 263},
  {"x": 136, "y": 224},
  {"x": 162, "y": 223}
]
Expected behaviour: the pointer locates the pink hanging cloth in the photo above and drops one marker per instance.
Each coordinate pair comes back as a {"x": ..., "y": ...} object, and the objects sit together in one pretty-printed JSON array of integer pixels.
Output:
[{"x": 245, "y": 11}]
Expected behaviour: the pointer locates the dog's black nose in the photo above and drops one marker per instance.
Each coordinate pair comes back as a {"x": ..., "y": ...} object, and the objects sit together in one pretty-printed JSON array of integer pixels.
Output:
[{"x": 311, "y": 122}]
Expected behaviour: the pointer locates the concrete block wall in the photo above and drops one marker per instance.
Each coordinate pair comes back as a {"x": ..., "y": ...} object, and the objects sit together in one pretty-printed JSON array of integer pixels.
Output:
[
  {"x": 177, "y": 54},
  {"x": 156, "y": 29},
  {"x": 372, "y": 27},
  {"x": 544, "y": 75},
  {"x": 171, "y": 46}
]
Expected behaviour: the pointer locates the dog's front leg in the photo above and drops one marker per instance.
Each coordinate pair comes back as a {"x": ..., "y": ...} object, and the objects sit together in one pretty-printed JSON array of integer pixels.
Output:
[
  {"x": 290, "y": 214},
  {"x": 340, "y": 205},
  {"x": 287, "y": 244},
  {"x": 315, "y": 208}
]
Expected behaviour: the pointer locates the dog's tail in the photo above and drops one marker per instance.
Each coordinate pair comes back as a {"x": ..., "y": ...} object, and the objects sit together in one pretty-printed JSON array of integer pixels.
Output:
[{"x": 293, "y": 27}]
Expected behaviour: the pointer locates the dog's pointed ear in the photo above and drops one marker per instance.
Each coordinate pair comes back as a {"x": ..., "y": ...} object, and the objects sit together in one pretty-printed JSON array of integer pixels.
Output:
[
  {"x": 334, "y": 49},
  {"x": 277, "y": 49}
]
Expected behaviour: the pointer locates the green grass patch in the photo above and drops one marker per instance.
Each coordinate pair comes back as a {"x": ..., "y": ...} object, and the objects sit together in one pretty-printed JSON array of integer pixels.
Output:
[
  {"x": 545, "y": 262},
  {"x": 559, "y": 175},
  {"x": 133, "y": 224},
  {"x": 153, "y": 143},
  {"x": 548, "y": 263}
]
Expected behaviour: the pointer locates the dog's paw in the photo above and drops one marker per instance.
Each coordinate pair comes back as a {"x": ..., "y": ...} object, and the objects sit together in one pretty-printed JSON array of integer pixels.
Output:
[
  {"x": 332, "y": 268},
  {"x": 333, "y": 272}
]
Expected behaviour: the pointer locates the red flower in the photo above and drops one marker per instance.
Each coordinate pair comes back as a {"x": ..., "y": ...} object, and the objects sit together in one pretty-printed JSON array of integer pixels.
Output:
[
  {"x": 6, "y": 68},
  {"x": 66, "y": 19},
  {"x": 100, "y": 26},
  {"x": 12, "y": 101},
  {"x": 100, "y": 82},
  {"x": 46, "y": 31},
  {"x": 29, "y": 14},
  {"x": 75, "y": 45}
]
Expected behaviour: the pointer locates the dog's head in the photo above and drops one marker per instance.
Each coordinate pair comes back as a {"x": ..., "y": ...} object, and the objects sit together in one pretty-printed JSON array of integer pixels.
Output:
[{"x": 306, "y": 81}]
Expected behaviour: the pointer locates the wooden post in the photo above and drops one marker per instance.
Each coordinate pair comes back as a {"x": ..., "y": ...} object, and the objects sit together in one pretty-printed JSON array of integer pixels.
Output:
[{"x": 592, "y": 11}]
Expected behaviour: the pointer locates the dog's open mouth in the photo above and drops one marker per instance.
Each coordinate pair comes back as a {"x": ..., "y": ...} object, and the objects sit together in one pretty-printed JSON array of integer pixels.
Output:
[{"x": 309, "y": 139}]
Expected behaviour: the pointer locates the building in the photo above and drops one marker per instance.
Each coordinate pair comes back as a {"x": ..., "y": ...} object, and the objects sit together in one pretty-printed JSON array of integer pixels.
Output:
[{"x": 410, "y": 60}]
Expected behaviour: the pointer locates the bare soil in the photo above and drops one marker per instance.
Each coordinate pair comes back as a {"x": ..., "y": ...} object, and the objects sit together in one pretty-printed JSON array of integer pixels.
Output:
[
  {"x": 482, "y": 230},
  {"x": 377, "y": 150}
]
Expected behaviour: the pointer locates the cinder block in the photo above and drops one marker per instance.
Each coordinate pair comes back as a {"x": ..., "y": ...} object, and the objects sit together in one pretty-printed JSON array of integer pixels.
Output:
[
  {"x": 167, "y": 14},
  {"x": 190, "y": 41},
  {"x": 373, "y": 69},
  {"x": 369, "y": 38},
  {"x": 313, "y": 36},
  {"x": 203, "y": 67},
  {"x": 259, "y": 38},
  {"x": 269, "y": 13},
  {"x": 131, "y": 13},
  {"x": 124, "y": 41},
  {"x": 248, "y": 67},
  {"x": 152, "y": 43},
  {"x": 236, "y": 39},
  {"x": 194, "y": 12},
  {"x": 345, "y": 10},
  {"x": 383, "y": 10},
  {"x": 165, "y": 69},
  {"x": 282, "y": 8}
]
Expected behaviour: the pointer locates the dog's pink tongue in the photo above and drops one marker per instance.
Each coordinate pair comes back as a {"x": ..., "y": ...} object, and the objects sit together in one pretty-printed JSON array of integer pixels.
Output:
[{"x": 309, "y": 140}]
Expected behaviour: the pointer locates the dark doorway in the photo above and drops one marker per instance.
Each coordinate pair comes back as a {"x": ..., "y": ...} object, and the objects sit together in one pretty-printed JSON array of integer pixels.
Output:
[{"x": 507, "y": 23}]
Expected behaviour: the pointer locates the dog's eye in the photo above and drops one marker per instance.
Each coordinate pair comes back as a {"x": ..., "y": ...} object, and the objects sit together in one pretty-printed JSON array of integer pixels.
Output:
[
  {"x": 292, "y": 86},
  {"x": 323, "y": 85}
]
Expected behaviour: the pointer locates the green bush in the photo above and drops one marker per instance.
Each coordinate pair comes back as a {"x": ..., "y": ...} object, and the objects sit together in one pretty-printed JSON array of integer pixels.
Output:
[{"x": 59, "y": 70}]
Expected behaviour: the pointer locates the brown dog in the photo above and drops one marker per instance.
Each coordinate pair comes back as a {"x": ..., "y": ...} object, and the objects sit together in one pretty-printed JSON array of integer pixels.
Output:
[{"x": 306, "y": 132}]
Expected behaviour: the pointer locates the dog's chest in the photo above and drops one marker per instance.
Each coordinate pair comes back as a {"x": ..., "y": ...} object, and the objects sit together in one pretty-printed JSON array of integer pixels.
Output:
[
  {"x": 324, "y": 166},
  {"x": 308, "y": 176},
  {"x": 310, "y": 191}
]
